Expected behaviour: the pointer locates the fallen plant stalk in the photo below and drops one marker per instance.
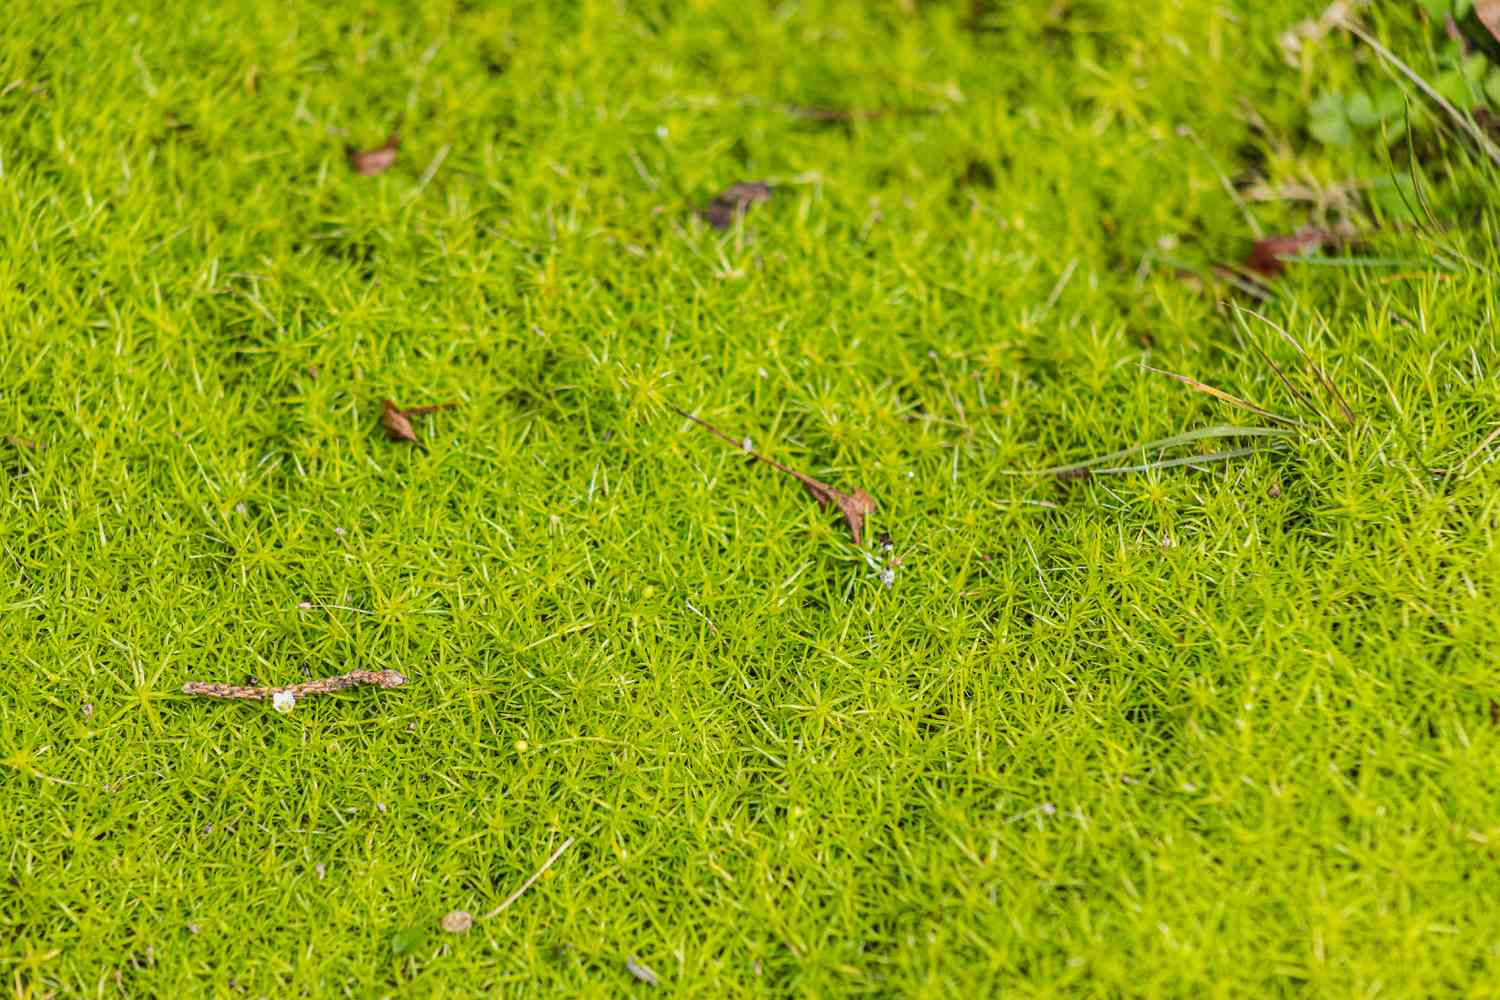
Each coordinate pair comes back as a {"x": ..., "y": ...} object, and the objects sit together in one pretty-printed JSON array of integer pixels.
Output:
[
  {"x": 354, "y": 678},
  {"x": 854, "y": 506}
]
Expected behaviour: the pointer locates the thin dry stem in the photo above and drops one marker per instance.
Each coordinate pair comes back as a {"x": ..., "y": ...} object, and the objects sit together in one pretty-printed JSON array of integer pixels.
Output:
[
  {"x": 354, "y": 678},
  {"x": 530, "y": 881}
]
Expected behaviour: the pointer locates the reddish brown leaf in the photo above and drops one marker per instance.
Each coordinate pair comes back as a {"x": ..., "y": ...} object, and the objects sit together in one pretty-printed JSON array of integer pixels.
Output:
[
  {"x": 854, "y": 506},
  {"x": 735, "y": 202},
  {"x": 369, "y": 162},
  {"x": 1265, "y": 256}
]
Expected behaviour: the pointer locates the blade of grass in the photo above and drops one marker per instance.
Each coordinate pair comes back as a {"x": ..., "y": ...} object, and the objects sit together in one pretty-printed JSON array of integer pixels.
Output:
[
  {"x": 1463, "y": 121},
  {"x": 1297, "y": 394},
  {"x": 1216, "y": 456},
  {"x": 1226, "y": 397},
  {"x": 1176, "y": 440},
  {"x": 1307, "y": 359}
]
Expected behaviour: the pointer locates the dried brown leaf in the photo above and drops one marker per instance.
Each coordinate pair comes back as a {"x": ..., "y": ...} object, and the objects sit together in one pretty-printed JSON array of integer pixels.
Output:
[
  {"x": 16, "y": 441},
  {"x": 397, "y": 421},
  {"x": 397, "y": 426},
  {"x": 734, "y": 202},
  {"x": 1265, "y": 256},
  {"x": 1488, "y": 12},
  {"x": 369, "y": 162}
]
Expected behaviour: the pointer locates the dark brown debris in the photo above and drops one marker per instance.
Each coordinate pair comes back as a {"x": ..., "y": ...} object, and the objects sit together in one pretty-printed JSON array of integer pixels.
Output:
[
  {"x": 734, "y": 202},
  {"x": 854, "y": 506},
  {"x": 1266, "y": 255},
  {"x": 369, "y": 162}
]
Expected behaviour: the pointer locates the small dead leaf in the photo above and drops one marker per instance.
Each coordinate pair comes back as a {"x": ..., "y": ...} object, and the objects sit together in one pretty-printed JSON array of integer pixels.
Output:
[
  {"x": 735, "y": 202},
  {"x": 397, "y": 427},
  {"x": 19, "y": 442},
  {"x": 456, "y": 922},
  {"x": 369, "y": 162},
  {"x": 1266, "y": 255},
  {"x": 1488, "y": 12},
  {"x": 854, "y": 506},
  {"x": 397, "y": 422},
  {"x": 641, "y": 972}
]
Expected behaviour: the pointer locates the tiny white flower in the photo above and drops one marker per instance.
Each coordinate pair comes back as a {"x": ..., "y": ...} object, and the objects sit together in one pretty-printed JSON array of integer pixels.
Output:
[
  {"x": 283, "y": 701},
  {"x": 747, "y": 444},
  {"x": 661, "y": 131}
]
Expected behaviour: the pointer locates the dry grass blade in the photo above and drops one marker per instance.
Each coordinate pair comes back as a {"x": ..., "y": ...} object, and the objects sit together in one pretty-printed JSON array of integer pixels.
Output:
[
  {"x": 1489, "y": 439},
  {"x": 1322, "y": 376},
  {"x": 1297, "y": 394},
  {"x": 1081, "y": 469},
  {"x": 505, "y": 904},
  {"x": 1463, "y": 121},
  {"x": 855, "y": 507},
  {"x": 1169, "y": 463},
  {"x": 641, "y": 972},
  {"x": 1226, "y": 397}
]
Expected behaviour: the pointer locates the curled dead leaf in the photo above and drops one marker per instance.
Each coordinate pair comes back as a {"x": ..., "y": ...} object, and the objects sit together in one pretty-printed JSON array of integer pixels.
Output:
[
  {"x": 369, "y": 162},
  {"x": 734, "y": 202}
]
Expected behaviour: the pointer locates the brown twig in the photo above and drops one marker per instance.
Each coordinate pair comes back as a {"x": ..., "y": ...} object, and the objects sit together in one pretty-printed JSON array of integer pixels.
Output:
[{"x": 354, "y": 678}]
